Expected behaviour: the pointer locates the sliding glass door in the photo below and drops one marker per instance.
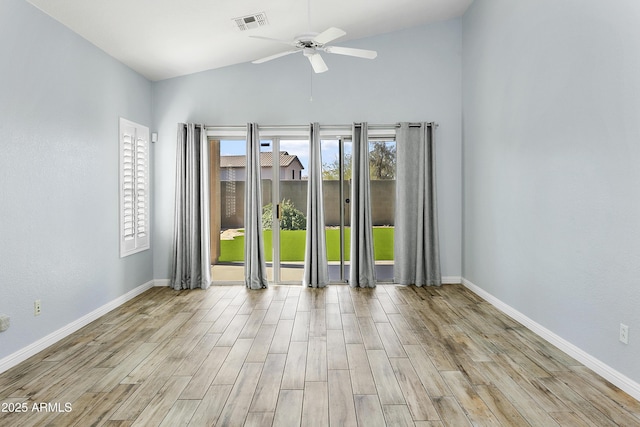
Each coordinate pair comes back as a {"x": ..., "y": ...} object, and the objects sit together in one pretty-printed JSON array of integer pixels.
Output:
[
  {"x": 284, "y": 181},
  {"x": 283, "y": 172},
  {"x": 337, "y": 187}
]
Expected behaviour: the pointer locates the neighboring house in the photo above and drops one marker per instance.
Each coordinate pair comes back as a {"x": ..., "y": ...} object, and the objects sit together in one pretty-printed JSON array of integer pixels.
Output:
[{"x": 232, "y": 168}]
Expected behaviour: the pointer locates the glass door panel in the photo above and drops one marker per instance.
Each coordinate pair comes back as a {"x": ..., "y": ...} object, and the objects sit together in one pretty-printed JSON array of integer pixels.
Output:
[
  {"x": 284, "y": 199},
  {"x": 382, "y": 172},
  {"x": 336, "y": 175},
  {"x": 227, "y": 161},
  {"x": 292, "y": 208},
  {"x": 267, "y": 178}
]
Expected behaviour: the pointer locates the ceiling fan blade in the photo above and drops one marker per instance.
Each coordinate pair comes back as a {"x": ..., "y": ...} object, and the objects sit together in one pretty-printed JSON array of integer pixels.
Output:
[
  {"x": 289, "y": 42},
  {"x": 277, "y": 55},
  {"x": 318, "y": 64},
  {"x": 329, "y": 35},
  {"x": 349, "y": 51}
]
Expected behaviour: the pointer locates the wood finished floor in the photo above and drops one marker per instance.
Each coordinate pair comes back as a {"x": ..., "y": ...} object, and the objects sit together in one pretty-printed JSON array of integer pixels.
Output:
[{"x": 293, "y": 356}]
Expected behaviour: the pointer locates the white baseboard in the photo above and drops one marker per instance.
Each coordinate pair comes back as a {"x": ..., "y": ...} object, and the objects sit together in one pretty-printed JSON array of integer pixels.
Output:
[
  {"x": 623, "y": 382},
  {"x": 446, "y": 280},
  {"x": 36, "y": 347}
]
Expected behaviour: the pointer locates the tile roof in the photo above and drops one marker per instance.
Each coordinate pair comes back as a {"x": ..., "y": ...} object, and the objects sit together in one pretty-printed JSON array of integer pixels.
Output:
[{"x": 266, "y": 160}]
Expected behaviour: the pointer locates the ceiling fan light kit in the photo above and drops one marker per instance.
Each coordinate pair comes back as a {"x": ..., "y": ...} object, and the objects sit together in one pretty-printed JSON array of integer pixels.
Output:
[{"x": 318, "y": 64}]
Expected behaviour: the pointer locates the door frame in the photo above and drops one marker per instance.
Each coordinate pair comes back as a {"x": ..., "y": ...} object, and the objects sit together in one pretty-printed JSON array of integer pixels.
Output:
[{"x": 297, "y": 132}]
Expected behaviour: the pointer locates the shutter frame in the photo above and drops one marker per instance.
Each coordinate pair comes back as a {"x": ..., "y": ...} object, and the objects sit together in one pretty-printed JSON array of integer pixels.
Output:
[{"x": 134, "y": 183}]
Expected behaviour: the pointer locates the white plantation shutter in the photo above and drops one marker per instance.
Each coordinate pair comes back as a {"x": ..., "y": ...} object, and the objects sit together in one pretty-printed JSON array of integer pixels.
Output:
[
  {"x": 134, "y": 187},
  {"x": 142, "y": 189}
]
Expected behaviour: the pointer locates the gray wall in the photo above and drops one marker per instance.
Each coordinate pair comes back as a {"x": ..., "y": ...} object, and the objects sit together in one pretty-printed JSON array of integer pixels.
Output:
[
  {"x": 551, "y": 96},
  {"x": 59, "y": 106},
  {"x": 416, "y": 77}
]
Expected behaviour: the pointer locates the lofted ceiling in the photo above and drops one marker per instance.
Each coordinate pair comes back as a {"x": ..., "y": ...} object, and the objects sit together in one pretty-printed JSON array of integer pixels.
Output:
[{"x": 167, "y": 38}]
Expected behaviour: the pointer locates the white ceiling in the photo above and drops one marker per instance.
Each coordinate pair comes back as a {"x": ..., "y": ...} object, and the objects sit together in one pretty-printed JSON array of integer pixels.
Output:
[{"x": 167, "y": 38}]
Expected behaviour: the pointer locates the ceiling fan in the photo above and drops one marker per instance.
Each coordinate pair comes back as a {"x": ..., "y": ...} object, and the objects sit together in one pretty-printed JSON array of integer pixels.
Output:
[{"x": 311, "y": 44}]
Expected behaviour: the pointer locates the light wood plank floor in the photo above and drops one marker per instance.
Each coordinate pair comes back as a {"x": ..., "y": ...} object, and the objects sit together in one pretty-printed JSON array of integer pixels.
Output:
[{"x": 293, "y": 356}]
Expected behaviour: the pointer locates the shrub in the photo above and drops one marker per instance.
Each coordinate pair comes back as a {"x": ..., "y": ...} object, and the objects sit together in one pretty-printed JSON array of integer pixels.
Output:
[{"x": 290, "y": 217}]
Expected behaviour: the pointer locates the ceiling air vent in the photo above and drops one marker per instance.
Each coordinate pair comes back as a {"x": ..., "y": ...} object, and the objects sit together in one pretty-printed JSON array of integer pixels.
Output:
[{"x": 251, "y": 21}]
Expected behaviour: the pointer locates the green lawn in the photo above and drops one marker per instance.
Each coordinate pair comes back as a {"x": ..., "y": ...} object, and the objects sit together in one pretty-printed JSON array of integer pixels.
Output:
[{"x": 293, "y": 242}]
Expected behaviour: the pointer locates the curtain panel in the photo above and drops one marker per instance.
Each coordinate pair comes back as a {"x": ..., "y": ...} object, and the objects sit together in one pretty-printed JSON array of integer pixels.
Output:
[
  {"x": 362, "y": 271},
  {"x": 255, "y": 274},
  {"x": 316, "y": 270},
  {"x": 416, "y": 245},
  {"x": 191, "y": 250}
]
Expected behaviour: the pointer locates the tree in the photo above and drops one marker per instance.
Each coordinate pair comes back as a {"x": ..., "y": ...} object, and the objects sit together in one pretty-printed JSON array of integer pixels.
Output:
[
  {"x": 382, "y": 160},
  {"x": 382, "y": 163},
  {"x": 290, "y": 217},
  {"x": 331, "y": 171}
]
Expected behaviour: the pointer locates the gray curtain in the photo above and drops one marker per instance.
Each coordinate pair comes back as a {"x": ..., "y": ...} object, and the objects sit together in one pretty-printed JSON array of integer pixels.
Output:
[
  {"x": 255, "y": 270},
  {"x": 416, "y": 247},
  {"x": 191, "y": 250},
  {"x": 362, "y": 271},
  {"x": 316, "y": 273}
]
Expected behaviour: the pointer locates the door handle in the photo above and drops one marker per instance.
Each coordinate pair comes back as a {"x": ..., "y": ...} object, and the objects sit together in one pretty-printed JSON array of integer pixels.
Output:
[{"x": 278, "y": 211}]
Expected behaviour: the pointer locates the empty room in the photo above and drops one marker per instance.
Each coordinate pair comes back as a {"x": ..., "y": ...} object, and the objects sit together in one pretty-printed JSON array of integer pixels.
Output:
[{"x": 320, "y": 213}]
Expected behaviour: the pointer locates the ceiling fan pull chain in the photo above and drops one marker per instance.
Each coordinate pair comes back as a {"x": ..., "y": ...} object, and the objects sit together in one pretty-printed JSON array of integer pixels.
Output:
[{"x": 311, "y": 85}]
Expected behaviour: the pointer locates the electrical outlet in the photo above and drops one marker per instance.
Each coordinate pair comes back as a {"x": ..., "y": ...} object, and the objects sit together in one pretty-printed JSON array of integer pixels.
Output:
[
  {"x": 37, "y": 309},
  {"x": 624, "y": 333}
]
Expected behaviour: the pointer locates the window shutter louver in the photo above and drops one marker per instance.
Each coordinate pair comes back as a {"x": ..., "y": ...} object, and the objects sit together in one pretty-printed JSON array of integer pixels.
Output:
[{"x": 134, "y": 187}]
